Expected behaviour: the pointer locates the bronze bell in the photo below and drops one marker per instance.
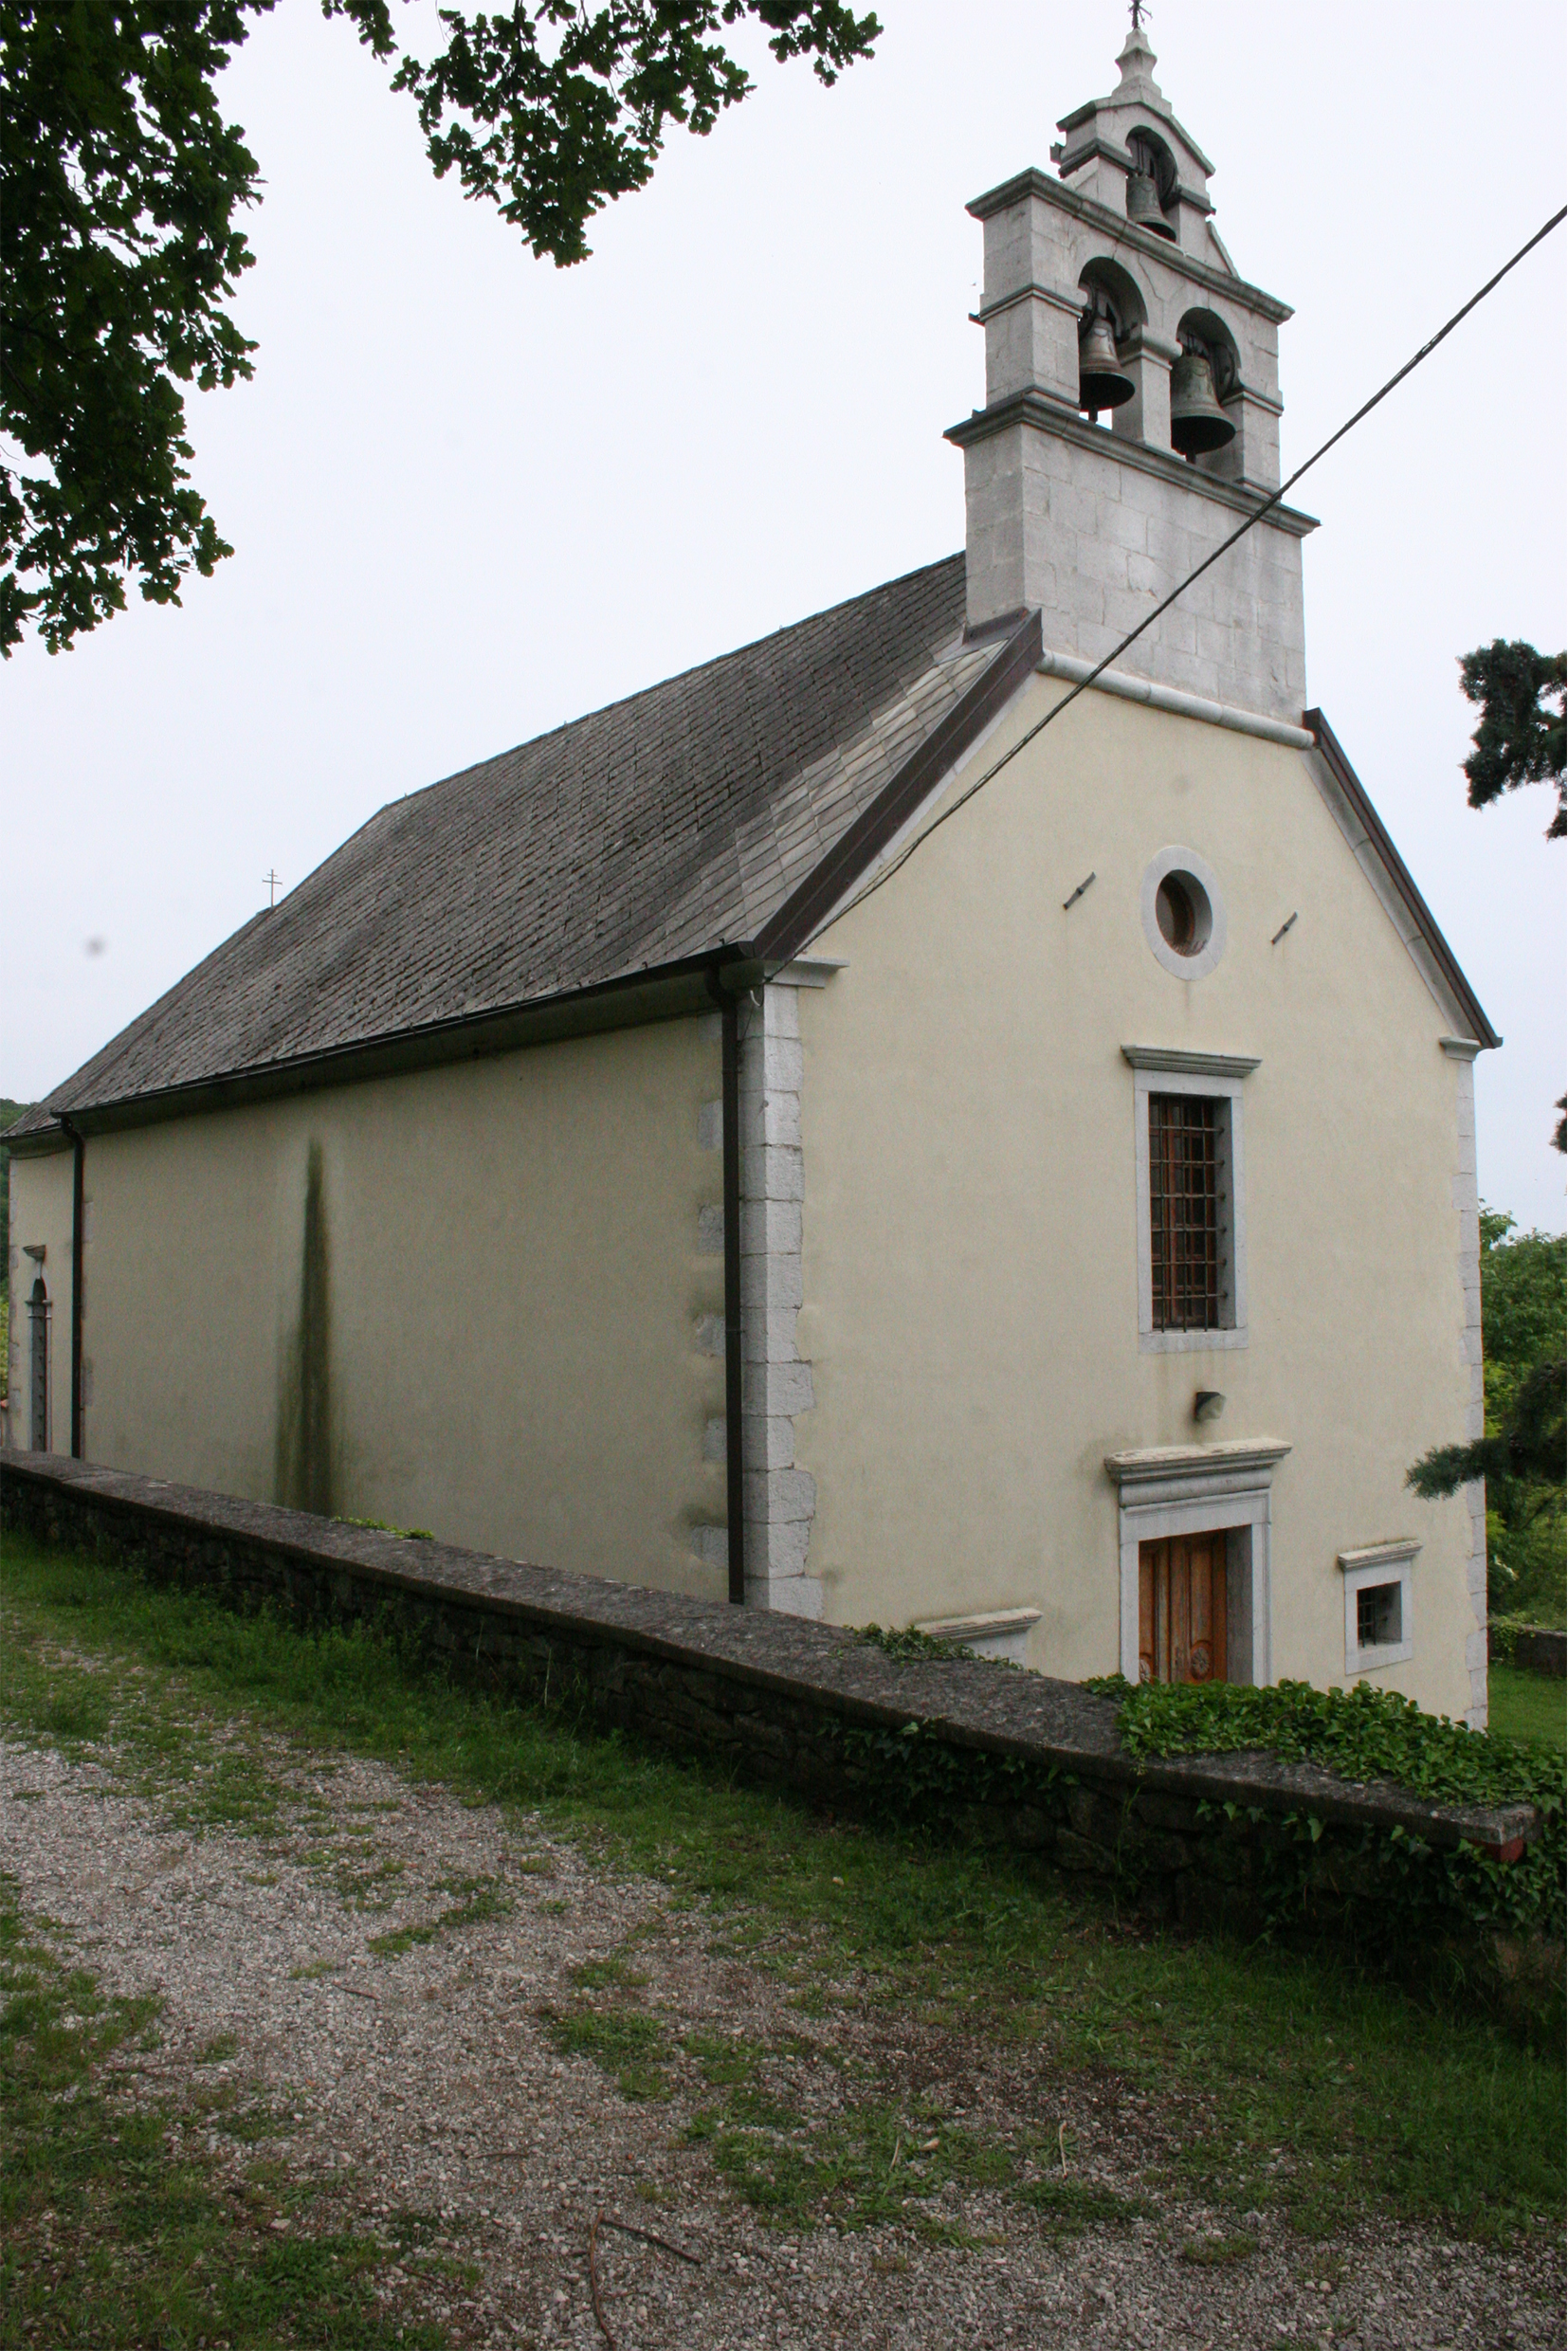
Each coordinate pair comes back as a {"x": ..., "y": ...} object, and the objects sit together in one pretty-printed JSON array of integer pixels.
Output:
[
  {"x": 1100, "y": 382},
  {"x": 1198, "y": 424},
  {"x": 1143, "y": 206}
]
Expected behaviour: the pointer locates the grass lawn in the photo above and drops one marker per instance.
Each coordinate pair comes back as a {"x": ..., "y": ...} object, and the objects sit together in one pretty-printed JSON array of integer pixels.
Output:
[
  {"x": 1293, "y": 2080},
  {"x": 1527, "y": 1706}
]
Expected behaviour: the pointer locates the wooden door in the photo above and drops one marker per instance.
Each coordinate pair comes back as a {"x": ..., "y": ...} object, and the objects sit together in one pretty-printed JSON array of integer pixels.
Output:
[{"x": 1181, "y": 1609}]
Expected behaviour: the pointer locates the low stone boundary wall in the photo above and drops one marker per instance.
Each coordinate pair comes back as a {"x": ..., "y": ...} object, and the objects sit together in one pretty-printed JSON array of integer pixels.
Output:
[
  {"x": 1012, "y": 1758},
  {"x": 1535, "y": 1646}
]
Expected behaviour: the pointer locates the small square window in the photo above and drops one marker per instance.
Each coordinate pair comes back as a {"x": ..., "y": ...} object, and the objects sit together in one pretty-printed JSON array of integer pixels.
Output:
[
  {"x": 1379, "y": 1628},
  {"x": 1378, "y": 1617}
]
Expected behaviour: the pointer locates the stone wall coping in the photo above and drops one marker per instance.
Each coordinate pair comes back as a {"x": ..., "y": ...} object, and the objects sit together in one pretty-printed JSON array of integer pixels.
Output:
[{"x": 968, "y": 1703}]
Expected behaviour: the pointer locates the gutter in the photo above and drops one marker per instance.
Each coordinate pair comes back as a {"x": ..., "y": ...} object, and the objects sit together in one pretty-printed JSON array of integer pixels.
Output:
[
  {"x": 667, "y": 992},
  {"x": 78, "y": 1164}
]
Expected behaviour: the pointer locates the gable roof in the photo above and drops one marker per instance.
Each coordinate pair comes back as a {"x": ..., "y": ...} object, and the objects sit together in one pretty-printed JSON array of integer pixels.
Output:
[
  {"x": 683, "y": 822},
  {"x": 720, "y": 814}
]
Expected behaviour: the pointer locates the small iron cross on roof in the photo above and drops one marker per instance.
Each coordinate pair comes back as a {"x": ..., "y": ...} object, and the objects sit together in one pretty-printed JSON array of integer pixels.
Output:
[
  {"x": 1140, "y": 12},
  {"x": 270, "y": 877}
]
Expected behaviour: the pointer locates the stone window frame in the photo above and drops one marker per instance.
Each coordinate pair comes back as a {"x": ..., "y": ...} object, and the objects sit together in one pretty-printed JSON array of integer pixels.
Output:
[
  {"x": 1371, "y": 1568},
  {"x": 1165, "y": 1490},
  {"x": 1212, "y": 1077}
]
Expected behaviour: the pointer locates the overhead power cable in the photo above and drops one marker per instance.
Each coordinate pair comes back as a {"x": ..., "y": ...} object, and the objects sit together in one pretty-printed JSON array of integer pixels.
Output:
[{"x": 1223, "y": 548}]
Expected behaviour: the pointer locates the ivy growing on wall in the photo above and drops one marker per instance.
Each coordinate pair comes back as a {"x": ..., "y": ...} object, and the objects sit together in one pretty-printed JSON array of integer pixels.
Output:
[{"x": 1366, "y": 1734}]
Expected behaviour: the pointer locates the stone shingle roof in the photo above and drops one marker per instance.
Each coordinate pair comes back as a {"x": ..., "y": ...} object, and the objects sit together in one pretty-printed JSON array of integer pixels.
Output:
[{"x": 660, "y": 828}]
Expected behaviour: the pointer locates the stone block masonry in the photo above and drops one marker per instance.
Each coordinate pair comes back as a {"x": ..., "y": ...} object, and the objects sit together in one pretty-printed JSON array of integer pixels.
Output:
[
  {"x": 1037, "y": 1765},
  {"x": 1056, "y": 520},
  {"x": 780, "y": 1499}
]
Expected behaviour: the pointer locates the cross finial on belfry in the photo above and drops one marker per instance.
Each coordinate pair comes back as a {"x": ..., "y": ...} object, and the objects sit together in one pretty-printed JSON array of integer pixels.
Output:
[
  {"x": 270, "y": 877},
  {"x": 1140, "y": 11}
]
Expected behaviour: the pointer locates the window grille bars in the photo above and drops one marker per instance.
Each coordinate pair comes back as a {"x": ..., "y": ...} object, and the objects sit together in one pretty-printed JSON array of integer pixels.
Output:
[{"x": 1184, "y": 1212}]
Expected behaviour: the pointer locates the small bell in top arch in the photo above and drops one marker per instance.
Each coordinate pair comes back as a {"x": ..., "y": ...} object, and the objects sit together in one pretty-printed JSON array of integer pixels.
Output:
[
  {"x": 1198, "y": 424},
  {"x": 1143, "y": 207},
  {"x": 1100, "y": 382}
]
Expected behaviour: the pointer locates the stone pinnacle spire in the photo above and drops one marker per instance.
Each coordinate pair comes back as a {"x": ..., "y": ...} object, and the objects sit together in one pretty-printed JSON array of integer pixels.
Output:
[{"x": 1137, "y": 64}]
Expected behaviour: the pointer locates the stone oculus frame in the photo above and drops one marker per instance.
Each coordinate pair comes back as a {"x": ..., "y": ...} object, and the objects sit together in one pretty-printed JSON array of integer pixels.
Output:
[
  {"x": 1212, "y": 1077},
  {"x": 1204, "y": 1489}
]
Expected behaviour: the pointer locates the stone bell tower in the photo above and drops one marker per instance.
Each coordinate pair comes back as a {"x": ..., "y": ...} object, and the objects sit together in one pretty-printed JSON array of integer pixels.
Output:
[{"x": 1132, "y": 413}]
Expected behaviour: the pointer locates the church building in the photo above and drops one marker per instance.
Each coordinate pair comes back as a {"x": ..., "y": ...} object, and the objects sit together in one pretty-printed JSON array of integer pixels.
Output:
[{"x": 817, "y": 1134}]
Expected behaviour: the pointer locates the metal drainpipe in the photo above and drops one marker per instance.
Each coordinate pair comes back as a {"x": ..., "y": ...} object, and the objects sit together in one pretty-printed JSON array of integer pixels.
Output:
[
  {"x": 78, "y": 1160},
  {"x": 735, "y": 1468}
]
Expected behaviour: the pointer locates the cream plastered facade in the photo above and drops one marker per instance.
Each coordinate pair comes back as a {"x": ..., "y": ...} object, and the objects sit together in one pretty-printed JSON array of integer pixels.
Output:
[
  {"x": 971, "y": 1237},
  {"x": 513, "y": 1288},
  {"x": 40, "y": 1214}
]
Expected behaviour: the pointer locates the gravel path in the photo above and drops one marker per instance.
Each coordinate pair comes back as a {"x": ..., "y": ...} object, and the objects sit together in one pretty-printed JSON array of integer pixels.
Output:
[{"x": 431, "y": 2074}]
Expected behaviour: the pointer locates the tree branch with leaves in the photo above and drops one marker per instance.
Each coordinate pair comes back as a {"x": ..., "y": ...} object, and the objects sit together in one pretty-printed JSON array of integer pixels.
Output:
[{"x": 121, "y": 192}]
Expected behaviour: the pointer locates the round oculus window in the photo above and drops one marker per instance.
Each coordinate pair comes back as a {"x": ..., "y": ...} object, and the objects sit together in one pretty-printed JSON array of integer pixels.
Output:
[{"x": 1183, "y": 913}]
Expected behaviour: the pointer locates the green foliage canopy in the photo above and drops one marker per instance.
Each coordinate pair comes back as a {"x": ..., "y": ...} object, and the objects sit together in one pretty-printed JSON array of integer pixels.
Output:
[
  {"x": 119, "y": 182},
  {"x": 122, "y": 187},
  {"x": 1524, "y": 1293},
  {"x": 551, "y": 133},
  {"x": 1523, "y": 1296}
]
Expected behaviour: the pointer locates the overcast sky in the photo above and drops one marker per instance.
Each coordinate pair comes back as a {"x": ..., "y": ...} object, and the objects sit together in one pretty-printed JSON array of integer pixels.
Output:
[{"x": 473, "y": 496}]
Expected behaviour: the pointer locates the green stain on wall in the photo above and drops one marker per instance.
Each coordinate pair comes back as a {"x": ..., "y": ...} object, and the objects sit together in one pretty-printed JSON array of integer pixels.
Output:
[{"x": 303, "y": 1475}]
